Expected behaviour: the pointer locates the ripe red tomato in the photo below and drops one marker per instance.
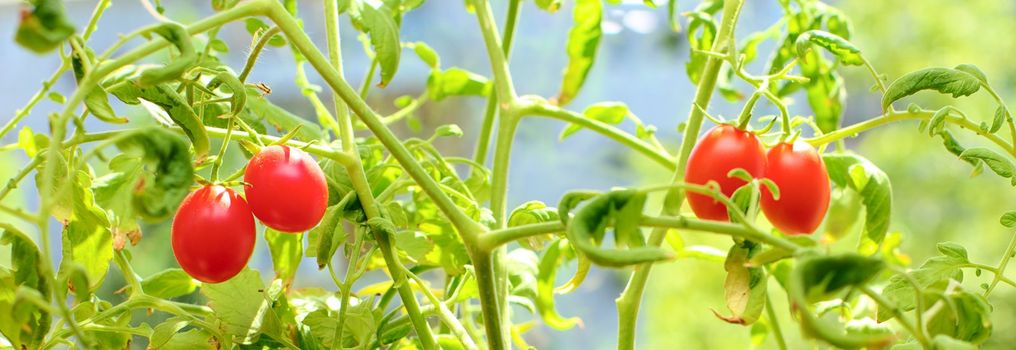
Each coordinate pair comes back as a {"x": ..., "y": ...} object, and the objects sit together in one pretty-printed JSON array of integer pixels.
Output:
[
  {"x": 286, "y": 188},
  {"x": 801, "y": 176},
  {"x": 722, "y": 149},
  {"x": 213, "y": 234}
]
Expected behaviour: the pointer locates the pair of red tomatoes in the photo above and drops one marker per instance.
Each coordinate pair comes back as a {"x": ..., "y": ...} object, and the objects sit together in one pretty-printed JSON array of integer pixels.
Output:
[
  {"x": 796, "y": 169},
  {"x": 213, "y": 232}
]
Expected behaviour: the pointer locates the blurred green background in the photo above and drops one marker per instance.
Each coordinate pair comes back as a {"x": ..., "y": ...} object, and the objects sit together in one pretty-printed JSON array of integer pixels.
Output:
[{"x": 641, "y": 62}]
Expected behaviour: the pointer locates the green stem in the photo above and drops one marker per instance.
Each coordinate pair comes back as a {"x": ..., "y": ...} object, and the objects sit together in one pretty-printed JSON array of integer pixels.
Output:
[
  {"x": 299, "y": 39},
  {"x": 222, "y": 150},
  {"x": 359, "y": 178},
  {"x": 365, "y": 84},
  {"x": 255, "y": 52},
  {"x": 1000, "y": 270},
  {"x": 13, "y": 182},
  {"x": 628, "y": 302},
  {"x": 347, "y": 289},
  {"x": 497, "y": 238},
  {"x": 445, "y": 314},
  {"x": 24, "y": 111},
  {"x": 775, "y": 323},
  {"x": 993, "y": 270},
  {"x": 1008, "y": 115},
  {"x": 899, "y": 316},
  {"x": 489, "y": 112},
  {"x": 894, "y": 116},
  {"x": 657, "y": 154}
]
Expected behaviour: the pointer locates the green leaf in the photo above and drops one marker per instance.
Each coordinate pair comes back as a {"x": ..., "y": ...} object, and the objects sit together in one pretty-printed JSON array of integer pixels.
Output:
[
  {"x": 943, "y": 342},
  {"x": 588, "y": 228},
  {"x": 996, "y": 162},
  {"x": 944, "y": 80},
  {"x": 847, "y": 53},
  {"x": 699, "y": 42},
  {"x": 384, "y": 38},
  {"x": 238, "y": 302},
  {"x": 549, "y": 5},
  {"x": 149, "y": 180},
  {"x": 825, "y": 90},
  {"x": 852, "y": 171},
  {"x": 523, "y": 267},
  {"x": 1008, "y": 219},
  {"x": 56, "y": 97},
  {"x": 999, "y": 119},
  {"x": 426, "y": 54},
  {"x": 165, "y": 331},
  {"x": 607, "y": 112},
  {"x": 169, "y": 283},
  {"x": 20, "y": 322},
  {"x": 448, "y": 130},
  {"x": 194, "y": 339},
  {"x": 824, "y": 278},
  {"x": 557, "y": 254},
  {"x": 973, "y": 70},
  {"x": 86, "y": 238},
  {"x": 167, "y": 99},
  {"x": 532, "y": 212},
  {"x": 935, "y": 270},
  {"x": 45, "y": 27},
  {"x": 967, "y": 317},
  {"x": 456, "y": 82},
  {"x": 321, "y": 240},
  {"x": 745, "y": 287},
  {"x": 358, "y": 328},
  {"x": 287, "y": 251},
  {"x": 583, "y": 40}
]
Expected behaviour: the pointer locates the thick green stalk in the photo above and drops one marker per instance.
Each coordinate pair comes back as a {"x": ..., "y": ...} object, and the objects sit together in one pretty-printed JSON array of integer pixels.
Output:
[
  {"x": 299, "y": 39},
  {"x": 494, "y": 303},
  {"x": 489, "y": 112},
  {"x": 364, "y": 193},
  {"x": 628, "y": 302}
]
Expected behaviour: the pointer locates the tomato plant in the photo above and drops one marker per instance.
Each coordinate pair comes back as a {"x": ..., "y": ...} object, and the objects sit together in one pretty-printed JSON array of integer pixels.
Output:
[
  {"x": 430, "y": 253},
  {"x": 286, "y": 188},
  {"x": 213, "y": 234}
]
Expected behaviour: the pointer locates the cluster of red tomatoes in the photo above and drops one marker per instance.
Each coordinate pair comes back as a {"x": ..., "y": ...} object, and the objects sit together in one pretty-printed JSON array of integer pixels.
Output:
[
  {"x": 213, "y": 231},
  {"x": 795, "y": 168}
]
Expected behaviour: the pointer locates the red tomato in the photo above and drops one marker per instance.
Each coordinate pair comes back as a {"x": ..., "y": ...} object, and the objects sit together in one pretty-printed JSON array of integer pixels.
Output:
[
  {"x": 722, "y": 149},
  {"x": 286, "y": 188},
  {"x": 801, "y": 176},
  {"x": 213, "y": 234}
]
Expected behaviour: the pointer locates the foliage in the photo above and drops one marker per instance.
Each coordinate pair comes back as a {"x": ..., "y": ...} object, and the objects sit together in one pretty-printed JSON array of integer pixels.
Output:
[{"x": 401, "y": 207}]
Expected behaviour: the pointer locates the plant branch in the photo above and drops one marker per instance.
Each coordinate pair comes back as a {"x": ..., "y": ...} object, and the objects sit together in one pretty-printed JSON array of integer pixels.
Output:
[
  {"x": 658, "y": 155},
  {"x": 631, "y": 297}
]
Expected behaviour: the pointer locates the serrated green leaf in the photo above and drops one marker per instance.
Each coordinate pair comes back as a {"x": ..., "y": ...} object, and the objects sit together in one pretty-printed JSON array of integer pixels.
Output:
[
  {"x": 847, "y": 53},
  {"x": 379, "y": 25},
  {"x": 583, "y": 40},
  {"x": 996, "y": 162},
  {"x": 944, "y": 80}
]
